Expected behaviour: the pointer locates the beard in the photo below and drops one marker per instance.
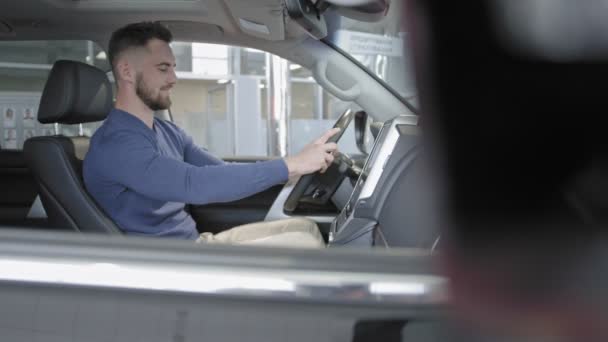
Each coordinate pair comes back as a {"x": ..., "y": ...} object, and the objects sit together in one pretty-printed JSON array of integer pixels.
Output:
[{"x": 146, "y": 94}]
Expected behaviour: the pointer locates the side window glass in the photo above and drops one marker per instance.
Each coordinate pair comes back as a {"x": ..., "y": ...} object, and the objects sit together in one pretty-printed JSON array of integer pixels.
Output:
[
  {"x": 24, "y": 69},
  {"x": 222, "y": 100}
]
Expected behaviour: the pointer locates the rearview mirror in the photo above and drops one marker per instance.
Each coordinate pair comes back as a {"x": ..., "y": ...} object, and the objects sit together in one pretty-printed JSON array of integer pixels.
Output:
[{"x": 308, "y": 13}]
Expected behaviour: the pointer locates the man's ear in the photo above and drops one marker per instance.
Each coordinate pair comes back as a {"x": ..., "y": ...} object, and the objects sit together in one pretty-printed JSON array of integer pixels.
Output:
[{"x": 125, "y": 70}]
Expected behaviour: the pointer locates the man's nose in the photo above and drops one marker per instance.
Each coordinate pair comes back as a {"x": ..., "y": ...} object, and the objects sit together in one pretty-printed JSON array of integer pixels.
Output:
[{"x": 172, "y": 77}]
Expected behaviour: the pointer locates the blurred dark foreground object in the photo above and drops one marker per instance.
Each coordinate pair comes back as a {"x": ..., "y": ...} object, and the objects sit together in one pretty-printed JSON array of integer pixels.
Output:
[{"x": 520, "y": 140}]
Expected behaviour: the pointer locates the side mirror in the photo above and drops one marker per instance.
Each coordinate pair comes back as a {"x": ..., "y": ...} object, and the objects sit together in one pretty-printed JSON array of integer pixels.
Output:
[{"x": 361, "y": 125}]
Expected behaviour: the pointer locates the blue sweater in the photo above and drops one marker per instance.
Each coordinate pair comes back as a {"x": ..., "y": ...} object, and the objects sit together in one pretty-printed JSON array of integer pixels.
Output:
[{"x": 143, "y": 177}]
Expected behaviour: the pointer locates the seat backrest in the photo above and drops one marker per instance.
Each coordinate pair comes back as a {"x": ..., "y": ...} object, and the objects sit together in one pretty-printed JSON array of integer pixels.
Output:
[
  {"x": 58, "y": 172},
  {"x": 74, "y": 93}
]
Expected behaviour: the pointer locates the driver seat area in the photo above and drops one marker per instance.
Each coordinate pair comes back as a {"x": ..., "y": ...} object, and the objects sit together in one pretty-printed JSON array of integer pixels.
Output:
[{"x": 74, "y": 93}]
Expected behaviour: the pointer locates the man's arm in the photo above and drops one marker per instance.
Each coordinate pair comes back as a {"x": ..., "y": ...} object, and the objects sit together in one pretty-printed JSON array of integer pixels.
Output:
[
  {"x": 142, "y": 169},
  {"x": 193, "y": 154},
  {"x": 316, "y": 156}
]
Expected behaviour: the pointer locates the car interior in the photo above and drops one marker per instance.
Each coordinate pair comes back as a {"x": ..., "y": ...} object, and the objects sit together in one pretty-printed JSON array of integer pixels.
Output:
[
  {"x": 354, "y": 202},
  {"x": 513, "y": 100}
]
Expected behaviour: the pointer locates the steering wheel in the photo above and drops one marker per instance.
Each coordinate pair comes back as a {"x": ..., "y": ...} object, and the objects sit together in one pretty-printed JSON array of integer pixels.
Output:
[{"x": 306, "y": 180}]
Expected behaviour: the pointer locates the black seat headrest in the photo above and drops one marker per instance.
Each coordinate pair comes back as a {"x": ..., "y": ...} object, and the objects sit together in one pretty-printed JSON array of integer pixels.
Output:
[{"x": 75, "y": 93}]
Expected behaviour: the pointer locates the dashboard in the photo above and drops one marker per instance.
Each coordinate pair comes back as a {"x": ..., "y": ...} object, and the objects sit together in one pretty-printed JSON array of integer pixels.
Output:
[
  {"x": 391, "y": 200},
  {"x": 387, "y": 170}
]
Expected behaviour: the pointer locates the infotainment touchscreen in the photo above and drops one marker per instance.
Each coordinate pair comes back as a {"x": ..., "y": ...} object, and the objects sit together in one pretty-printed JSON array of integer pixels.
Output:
[
  {"x": 368, "y": 165},
  {"x": 357, "y": 215},
  {"x": 381, "y": 151}
]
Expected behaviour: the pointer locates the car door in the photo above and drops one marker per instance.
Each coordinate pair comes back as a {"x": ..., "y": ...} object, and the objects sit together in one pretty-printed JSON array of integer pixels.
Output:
[{"x": 91, "y": 288}]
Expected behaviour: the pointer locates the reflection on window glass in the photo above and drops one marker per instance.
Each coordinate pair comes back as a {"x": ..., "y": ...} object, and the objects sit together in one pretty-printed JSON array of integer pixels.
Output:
[
  {"x": 209, "y": 51},
  {"x": 333, "y": 107},
  {"x": 264, "y": 99},
  {"x": 24, "y": 69},
  {"x": 220, "y": 126},
  {"x": 210, "y": 67},
  {"x": 47, "y": 52},
  {"x": 22, "y": 79},
  {"x": 183, "y": 56},
  {"x": 210, "y": 59},
  {"x": 189, "y": 108},
  {"x": 221, "y": 98},
  {"x": 302, "y": 100},
  {"x": 253, "y": 62},
  {"x": 217, "y": 102}
]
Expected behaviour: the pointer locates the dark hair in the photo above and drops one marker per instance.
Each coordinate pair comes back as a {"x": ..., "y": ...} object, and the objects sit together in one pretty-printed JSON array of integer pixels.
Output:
[{"x": 136, "y": 35}]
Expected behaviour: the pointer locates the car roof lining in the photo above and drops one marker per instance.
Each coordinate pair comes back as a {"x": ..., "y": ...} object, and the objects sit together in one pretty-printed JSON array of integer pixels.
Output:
[
  {"x": 58, "y": 17},
  {"x": 64, "y": 20}
]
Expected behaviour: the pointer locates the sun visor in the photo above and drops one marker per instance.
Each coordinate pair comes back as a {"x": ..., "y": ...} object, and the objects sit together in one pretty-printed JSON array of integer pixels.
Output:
[
  {"x": 263, "y": 19},
  {"x": 192, "y": 31}
]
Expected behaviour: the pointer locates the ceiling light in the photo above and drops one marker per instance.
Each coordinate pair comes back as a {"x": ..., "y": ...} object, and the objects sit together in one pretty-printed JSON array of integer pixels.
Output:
[
  {"x": 254, "y": 27},
  {"x": 101, "y": 55},
  {"x": 293, "y": 67},
  {"x": 223, "y": 81}
]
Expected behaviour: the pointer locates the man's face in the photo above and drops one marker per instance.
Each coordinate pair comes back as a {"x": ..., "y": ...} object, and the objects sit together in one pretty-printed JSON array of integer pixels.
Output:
[{"x": 156, "y": 75}]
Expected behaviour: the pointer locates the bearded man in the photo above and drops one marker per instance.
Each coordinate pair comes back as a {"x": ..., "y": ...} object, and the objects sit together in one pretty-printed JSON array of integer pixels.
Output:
[{"x": 142, "y": 170}]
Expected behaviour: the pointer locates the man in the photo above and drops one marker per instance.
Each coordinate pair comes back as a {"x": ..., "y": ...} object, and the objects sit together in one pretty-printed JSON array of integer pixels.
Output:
[{"x": 143, "y": 170}]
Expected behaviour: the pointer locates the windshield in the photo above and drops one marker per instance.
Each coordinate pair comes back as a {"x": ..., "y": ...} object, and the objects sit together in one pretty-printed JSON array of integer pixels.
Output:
[{"x": 378, "y": 46}]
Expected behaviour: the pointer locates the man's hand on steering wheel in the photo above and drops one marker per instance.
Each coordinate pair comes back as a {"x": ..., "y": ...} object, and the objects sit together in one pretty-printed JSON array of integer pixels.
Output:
[
  {"x": 315, "y": 159},
  {"x": 316, "y": 156}
]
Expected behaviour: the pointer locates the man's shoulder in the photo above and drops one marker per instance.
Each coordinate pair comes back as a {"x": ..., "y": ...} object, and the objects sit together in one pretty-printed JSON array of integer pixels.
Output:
[
  {"x": 111, "y": 140},
  {"x": 173, "y": 130},
  {"x": 166, "y": 124},
  {"x": 110, "y": 134}
]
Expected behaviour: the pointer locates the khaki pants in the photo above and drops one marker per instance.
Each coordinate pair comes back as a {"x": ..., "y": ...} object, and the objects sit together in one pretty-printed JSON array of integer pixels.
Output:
[{"x": 294, "y": 232}]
